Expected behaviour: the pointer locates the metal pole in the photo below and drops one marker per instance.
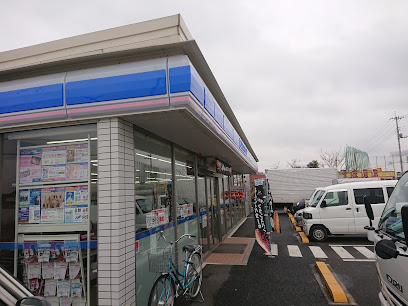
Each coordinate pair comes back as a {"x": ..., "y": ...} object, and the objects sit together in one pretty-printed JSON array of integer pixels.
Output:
[
  {"x": 399, "y": 143},
  {"x": 396, "y": 118}
]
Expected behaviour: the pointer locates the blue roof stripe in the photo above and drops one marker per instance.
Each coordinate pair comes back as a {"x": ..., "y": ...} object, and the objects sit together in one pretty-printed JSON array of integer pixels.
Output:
[
  {"x": 128, "y": 86},
  {"x": 219, "y": 116},
  {"x": 180, "y": 79},
  {"x": 209, "y": 103},
  {"x": 31, "y": 98}
]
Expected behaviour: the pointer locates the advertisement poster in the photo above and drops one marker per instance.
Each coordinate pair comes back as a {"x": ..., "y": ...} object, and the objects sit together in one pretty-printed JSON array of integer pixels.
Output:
[
  {"x": 76, "y": 210},
  {"x": 77, "y": 195},
  {"x": 52, "y": 205},
  {"x": 29, "y": 206},
  {"x": 53, "y": 173},
  {"x": 30, "y": 165},
  {"x": 23, "y": 215},
  {"x": 77, "y": 171},
  {"x": 77, "y": 153},
  {"x": 54, "y": 156},
  {"x": 157, "y": 217},
  {"x": 76, "y": 214}
]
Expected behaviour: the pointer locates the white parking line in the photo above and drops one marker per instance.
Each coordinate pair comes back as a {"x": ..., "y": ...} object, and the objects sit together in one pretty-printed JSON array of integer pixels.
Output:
[
  {"x": 274, "y": 249},
  {"x": 294, "y": 251},
  {"x": 342, "y": 252},
  {"x": 317, "y": 252},
  {"x": 350, "y": 245},
  {"x": 366, "y": 252},
  {"x": 368, "y": 260}
]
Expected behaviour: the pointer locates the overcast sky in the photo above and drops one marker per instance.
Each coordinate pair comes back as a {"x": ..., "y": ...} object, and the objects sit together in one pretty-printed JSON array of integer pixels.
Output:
[{"x": 300, "y": 76}]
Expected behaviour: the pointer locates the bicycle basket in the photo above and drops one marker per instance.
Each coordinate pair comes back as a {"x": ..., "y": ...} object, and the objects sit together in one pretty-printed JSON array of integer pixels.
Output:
[{"x": 159, "y": 259}]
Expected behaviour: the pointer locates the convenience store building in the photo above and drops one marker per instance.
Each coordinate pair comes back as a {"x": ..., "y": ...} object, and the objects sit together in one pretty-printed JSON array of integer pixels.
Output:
[{"x": 108, "y": 138}]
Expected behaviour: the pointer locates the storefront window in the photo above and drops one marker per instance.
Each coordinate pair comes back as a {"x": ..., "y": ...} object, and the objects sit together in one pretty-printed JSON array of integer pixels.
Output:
[
  {"x": 222, "y": 206},
  {"x": 48, "y": 205},
  {"x": 8, "y": 163},
  {"x": 185, "y": 195},
  {"x": 228, "y": 206},
  {"x": 153, "y": 206},
  {"x": 202, "y": 204}
]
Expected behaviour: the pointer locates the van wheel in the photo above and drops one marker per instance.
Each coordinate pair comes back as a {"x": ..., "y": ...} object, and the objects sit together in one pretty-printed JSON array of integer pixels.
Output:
[{"x": 318, "y": 233}]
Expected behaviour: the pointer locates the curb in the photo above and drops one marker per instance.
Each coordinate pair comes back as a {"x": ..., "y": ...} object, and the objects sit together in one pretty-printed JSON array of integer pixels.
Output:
[
  {"x": 333, "y": 286},
  {"x": 303, "y": 237}
]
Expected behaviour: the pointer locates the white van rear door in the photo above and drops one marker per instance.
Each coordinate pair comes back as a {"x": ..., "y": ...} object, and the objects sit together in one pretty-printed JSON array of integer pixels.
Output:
[{"x": 337, "y": 216}]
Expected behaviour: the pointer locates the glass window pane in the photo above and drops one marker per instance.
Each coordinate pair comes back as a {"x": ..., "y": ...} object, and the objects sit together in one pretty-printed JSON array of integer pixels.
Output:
[
  {"x": 336, "y": 198},
  {"x": 153, "y": 206},
  {"x": 374, "y": 195}
]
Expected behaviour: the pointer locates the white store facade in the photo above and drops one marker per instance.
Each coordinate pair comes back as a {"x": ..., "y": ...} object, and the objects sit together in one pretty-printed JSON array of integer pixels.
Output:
[{"x": 107, "y": 139}]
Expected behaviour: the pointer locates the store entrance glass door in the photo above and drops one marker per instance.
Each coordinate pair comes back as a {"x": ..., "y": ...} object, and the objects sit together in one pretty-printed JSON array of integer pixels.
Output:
[{"x": 213, "y": 212}]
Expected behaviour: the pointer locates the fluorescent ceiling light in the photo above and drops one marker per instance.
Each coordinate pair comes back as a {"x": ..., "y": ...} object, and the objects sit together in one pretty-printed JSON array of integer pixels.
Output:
[{"x": 69, "y": 140}]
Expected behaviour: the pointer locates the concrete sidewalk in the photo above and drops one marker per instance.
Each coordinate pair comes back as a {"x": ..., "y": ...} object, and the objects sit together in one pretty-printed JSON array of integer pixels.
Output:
[{"x": 264, "y": 280}]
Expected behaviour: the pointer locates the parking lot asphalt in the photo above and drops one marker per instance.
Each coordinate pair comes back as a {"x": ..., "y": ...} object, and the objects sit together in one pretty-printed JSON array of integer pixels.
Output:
[{"x": 289, "y": 279}]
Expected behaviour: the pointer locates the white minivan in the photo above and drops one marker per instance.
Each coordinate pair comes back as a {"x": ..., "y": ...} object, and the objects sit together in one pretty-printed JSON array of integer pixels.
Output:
[{"x": 339, "y": 209}]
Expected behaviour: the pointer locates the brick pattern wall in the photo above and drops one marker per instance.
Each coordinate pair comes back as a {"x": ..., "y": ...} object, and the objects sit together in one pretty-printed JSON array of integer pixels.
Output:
[{"x": 116, "y": 213}]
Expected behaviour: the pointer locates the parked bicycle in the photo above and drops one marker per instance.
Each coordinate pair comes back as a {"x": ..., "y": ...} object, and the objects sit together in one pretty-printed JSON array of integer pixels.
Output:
[{"x": 172, "y": 282}]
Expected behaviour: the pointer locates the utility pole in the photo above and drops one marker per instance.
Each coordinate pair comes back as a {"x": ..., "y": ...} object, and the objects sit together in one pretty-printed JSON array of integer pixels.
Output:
[{"x": 396, "y": 118}]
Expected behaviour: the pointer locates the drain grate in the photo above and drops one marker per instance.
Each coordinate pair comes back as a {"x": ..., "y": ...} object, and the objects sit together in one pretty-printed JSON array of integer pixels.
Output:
[{"x": 230, "y": 248}]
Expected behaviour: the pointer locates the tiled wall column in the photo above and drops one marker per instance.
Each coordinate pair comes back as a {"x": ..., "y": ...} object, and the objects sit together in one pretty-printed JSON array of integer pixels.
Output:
[{"x": 116, "y": 213}]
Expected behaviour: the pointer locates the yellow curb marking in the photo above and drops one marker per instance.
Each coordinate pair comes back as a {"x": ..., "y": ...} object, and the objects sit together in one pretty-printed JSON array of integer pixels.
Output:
[
  {"x": 290, "y": 215},
  {"x": 335, "y": 290},
  {"x": 304, "y": 238},
  {"x": 297, "y": 228}
]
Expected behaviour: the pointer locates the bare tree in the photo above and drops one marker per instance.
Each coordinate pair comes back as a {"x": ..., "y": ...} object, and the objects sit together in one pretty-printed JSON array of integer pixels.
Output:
[
  {"x": 333, "y": 159},
  {"x": 275, "y": 165},
  {"x": 294, "y": 163}
]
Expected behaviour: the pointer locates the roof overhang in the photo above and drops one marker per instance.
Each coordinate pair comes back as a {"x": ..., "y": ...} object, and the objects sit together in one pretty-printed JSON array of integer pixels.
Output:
[{"x": 167, "y": 36}]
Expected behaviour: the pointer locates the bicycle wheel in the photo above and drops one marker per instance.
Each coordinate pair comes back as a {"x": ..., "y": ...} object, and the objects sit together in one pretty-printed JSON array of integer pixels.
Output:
[
  {"x": 163, "y": 292},
  {"x": 194, "y": 274}
]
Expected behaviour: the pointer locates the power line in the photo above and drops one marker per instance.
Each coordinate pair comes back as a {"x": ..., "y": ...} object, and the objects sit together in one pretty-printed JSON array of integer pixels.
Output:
[
  {"x": 384, "y": 134},
  {"x": 377, "y": 132}
]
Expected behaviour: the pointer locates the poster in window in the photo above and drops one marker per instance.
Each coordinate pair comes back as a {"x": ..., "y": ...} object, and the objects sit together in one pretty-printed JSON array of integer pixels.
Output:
[
  {"x": 54, "y": 155},
  {"x": 77, "y": 171},
  {"x": 77, "y": 195},
  {"x": 30, "y": 165},
  {"x": 52, "y": 205},
  {"x": 29, "y": 206},
  {"x": 77, "y": 153},
  {"x": 76, "y": 210},
  {"x": 53, "y": 173}
]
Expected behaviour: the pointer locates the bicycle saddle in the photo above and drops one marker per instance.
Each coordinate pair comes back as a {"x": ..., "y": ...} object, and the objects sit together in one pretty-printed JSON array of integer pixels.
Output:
[{"x": 189, "y": 248}]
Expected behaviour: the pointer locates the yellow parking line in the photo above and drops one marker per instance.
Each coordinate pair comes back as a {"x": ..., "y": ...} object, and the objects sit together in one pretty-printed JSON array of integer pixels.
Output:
[
  {"x": 297, "y": 228},
  {"x": 304, "y": 238},
  {"x": 335, "y": 290},
  {"x": 290, "y": 215}
]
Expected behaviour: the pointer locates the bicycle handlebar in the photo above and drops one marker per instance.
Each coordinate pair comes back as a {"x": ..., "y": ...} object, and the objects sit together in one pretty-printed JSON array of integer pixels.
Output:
[{"x": 172, "y": 242}]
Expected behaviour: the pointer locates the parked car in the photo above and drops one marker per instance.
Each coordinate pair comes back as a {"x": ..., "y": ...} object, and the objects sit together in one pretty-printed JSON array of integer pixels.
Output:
[
  {"x": 339, "y": 209},
  {"x": 142, "y": 206},
  {"x": 299, "y": 205}
]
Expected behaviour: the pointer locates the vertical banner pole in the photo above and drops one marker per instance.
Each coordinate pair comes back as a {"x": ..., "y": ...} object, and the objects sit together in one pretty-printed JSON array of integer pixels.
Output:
[{"x": 268, "y": 213}]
